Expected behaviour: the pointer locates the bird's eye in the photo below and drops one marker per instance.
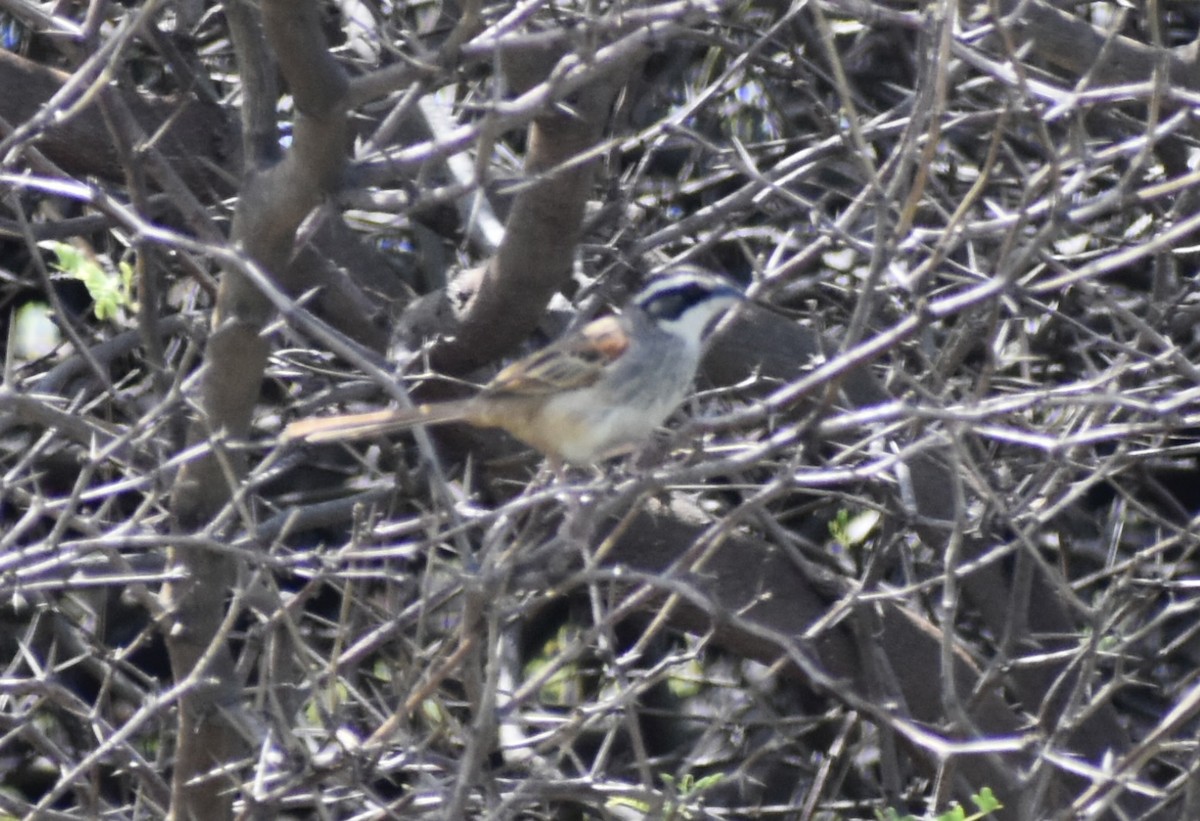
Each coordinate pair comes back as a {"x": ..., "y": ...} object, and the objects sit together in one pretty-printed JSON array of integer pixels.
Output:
[
  {"x": 666, "y": 306},
  {"x": 672, "y": 304}
]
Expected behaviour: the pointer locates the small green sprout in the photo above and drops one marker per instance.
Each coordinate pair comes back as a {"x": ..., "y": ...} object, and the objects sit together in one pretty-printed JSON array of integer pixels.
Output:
[{"x": 110, "y": 293}]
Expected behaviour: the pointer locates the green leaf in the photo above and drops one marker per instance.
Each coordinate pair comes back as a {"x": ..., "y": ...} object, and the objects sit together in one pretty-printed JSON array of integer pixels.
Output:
[
  {"x": 986, "y": 801},
  {"x": 708, "y": 781},
  {"x": 687, "y": 680},
  {"x": 619, "y": 801},
  {"x": 34, "y": 333},
  {"x": 70, "y": 258},
  {"x": 109, "y": 292},
  {"x": 852, "y": 531},
  {"x": 433, "y": 712},
  {"x": 565, "y": 686},
  {"x": 955, "y": 813}
]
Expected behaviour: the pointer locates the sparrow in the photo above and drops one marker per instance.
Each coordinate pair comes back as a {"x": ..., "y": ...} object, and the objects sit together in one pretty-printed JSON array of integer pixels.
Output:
[{"x": 595, "y": 392}]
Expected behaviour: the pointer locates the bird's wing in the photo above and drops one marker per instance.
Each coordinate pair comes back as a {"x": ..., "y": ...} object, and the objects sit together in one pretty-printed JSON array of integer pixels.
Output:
[{"x": 575, "y": 361}]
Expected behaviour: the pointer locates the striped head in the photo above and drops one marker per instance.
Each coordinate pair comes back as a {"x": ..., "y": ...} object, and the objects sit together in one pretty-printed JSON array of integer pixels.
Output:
[{"x": 687, "y": 301}]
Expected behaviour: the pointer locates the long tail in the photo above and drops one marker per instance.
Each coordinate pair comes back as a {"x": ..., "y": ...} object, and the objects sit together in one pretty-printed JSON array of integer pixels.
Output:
[{"x": 318, "y": 429}]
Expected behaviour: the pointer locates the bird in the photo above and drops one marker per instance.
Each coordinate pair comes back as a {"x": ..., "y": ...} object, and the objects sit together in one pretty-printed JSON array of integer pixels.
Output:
[{"x": 596, "y": 392}]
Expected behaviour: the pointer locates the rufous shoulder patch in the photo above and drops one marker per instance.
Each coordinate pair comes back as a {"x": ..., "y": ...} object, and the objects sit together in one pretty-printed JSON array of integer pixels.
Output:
[{"x": 607, "y": 336}]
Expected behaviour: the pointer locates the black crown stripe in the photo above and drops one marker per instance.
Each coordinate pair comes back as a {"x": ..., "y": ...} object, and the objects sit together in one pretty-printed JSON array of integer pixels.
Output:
[{"x": 671, "y": 297}]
